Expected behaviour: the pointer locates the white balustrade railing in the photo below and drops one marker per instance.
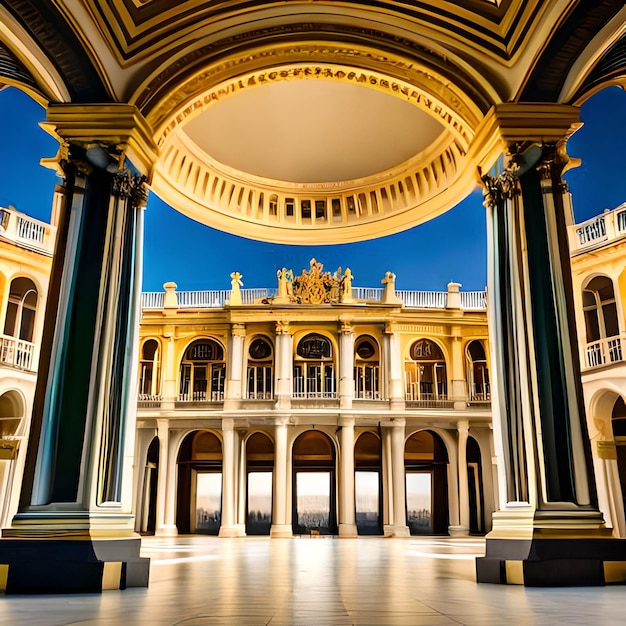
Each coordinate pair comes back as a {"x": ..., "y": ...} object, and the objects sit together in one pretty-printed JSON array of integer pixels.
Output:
[
  {"x": 201, "y": 396},
  {"x": 30, "y": 230},
  {"x": 16, "y": 352},
  {"x": 152, "y": 299},
  {"x": 373, "y": 294},
  {"x": 474, "y": 300},
  {"x": 470, "y": 300},
  {"x": 605, "y": 351},
  {"x": 598, "y": 230},
  {"x": 423, "y": 299}
]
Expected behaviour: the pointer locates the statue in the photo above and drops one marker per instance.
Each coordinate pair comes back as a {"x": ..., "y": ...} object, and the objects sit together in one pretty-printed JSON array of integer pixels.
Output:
[
  {"x": 346, "y": 283},
  {"x": 235, "y": 293}
]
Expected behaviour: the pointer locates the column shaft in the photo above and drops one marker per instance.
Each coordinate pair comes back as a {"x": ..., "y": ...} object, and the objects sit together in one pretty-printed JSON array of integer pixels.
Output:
[
  {"x": 280, "y": 528},
  {"x": 347, "y": 512}
]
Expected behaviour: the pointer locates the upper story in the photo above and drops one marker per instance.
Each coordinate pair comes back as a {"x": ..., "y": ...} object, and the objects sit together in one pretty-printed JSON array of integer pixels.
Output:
[
  {"x": 313, "y": 343},
  {"x": 598, "y": 259},
  {"x": 26, "y": 250}
]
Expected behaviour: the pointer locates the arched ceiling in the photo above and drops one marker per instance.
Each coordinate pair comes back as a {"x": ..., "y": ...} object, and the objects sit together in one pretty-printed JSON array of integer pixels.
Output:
[{"x": 312, "y": 121}]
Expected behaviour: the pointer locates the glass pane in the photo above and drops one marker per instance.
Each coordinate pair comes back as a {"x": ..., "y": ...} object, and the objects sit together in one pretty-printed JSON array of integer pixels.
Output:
[
  {"x": 208, "y": 512},
  {"x": 259, "y": 503},
  {"x": 313, "y": 501},
  {"x": 419, "y": 502},
  {"x": 366, "y": 485}
]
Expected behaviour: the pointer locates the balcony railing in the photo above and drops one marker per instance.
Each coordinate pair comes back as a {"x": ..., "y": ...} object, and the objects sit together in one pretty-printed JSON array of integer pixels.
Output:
[
  {"x": 26, "y": 231},
  {"x": 605, "y": 351},
  {"x": 598, "y": 230},
  {"x": 423, "y": 299},
  {"x": 201, "y": 396},
  {"x": 17, "y": 353},
  {"x": 311, "y": 388},
  {"x": 479, "y": 393}
]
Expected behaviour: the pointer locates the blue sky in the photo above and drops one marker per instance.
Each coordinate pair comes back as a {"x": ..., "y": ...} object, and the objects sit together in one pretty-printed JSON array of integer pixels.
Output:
[{"x": 449, "y": 248}]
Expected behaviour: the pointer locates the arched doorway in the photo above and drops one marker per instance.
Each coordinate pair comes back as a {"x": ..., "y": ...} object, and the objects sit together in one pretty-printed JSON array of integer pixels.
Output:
[
  {"x": 601, "y": 322},
  {"x": 314, "y": 490},
  {"x": 475, "y": 487},
  {"x": 259, "y": 474},
  {"x": 426, "y": 481},
  {"x": 202, "y": 372},
  {"x": 367, "y": 484},
  {"x": 149, "y": 383},
  {"x": 425, "y": 373},
  {"x": 11, "y": 415},
  {"x": 200, "y": 484},
  {"x": 477, "y": 372},
  {"x": 150, "y": 488},
  {"x": 314, "y": 369},
  {"x": 618, "y": 420}
]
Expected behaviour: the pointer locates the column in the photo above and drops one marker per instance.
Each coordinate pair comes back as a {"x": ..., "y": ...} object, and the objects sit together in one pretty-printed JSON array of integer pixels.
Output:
[
  {"x": 283, "y": 366},
  {"x": 393, "y": 364},
  {"x": 346, "y": 365},
  {"x": 458, "y": 385},
  {"x": 169, "y": 370},
  {"x": 464, "y": 512},
  {"x": 228, "y": 526},
  {"x": 75, "y": 493},
  {"x": 280, "y": 527},
  {"x": 549, "y": 530},
  {"x": 235, "y": 366},
  {"x": 400, "y": 528},
  {"x": 347, "y": 510},
  {"x": 166, "y": 478}
]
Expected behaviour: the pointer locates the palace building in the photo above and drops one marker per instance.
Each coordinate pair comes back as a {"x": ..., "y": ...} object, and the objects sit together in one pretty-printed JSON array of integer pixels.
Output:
[
  {"x": 314, "y": 407},
  {"x": 319, "y": 123}
]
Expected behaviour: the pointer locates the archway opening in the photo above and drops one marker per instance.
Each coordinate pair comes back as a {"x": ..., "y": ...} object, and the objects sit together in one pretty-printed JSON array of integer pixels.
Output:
[
  {"x": 199, "y": 494},
  {"x": 426, "y": 483},
  {"x": 368, "y": 484},
  {"x": 314, "y": 485},
  {"x": 259, "y": 475},
  {"x": 475, "y": 487}
]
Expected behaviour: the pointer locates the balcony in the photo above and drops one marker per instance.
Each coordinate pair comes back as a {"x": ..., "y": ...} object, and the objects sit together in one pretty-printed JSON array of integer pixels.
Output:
[
  {"x": 17, "y": 353},
  {"x": 26, "y": 231},
  {"x": 604, "y": 352},
  {"x": 598, "y": 231}
]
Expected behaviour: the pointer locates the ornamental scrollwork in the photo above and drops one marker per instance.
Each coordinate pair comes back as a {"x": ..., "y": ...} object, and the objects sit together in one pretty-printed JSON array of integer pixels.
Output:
[
  {"x": 131, "y": 186},
  {"x": 502, "y": 187}
]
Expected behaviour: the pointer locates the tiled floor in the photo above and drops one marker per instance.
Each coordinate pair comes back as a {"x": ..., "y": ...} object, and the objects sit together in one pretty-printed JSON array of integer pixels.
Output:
[{"x": 318, "y": 581}]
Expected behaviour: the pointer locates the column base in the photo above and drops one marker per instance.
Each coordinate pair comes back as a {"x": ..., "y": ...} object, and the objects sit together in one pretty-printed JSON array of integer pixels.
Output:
[
  {"x": 81, "y": 565},
  {"x": 458, "y": 531},
  {"x": 553, "y": 562},
  {"x": 166, "y": 531},
  {"x": 400, "y": 531},
  {"x": 348, "y": 530},
  {"x": 233, "y": 530},
  {"x": 281, "y": 531}
]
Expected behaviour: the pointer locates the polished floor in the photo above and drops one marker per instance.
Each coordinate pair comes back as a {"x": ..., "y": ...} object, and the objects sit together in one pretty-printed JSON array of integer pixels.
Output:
[{"x": 318, "y": 581}]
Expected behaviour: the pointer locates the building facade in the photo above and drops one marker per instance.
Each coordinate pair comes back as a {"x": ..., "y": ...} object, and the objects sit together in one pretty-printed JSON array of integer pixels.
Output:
[
  {"x": 26, "y": 248},
  {"x": 316, "y": 407},
  {"x": 598, "y": 248}
]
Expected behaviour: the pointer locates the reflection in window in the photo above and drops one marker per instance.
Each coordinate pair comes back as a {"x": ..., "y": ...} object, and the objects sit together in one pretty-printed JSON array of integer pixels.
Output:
[
  {"x": 477, "y": 372},
  {"x": 419, "y": 502},
  {"x": 208, "y": 513},
  {"x": 149, "y": 370},
  {"x": 367, "y": 369},
  {"x": 21, "y": 308},
  {"x": 202, "y": 372},
  {"x": 425, "y": 372},
  {"x": 314, "y": 372},
  {"x": 260, "y": 370}
]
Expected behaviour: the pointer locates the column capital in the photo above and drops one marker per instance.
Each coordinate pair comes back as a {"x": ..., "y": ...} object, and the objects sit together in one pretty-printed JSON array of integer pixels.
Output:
[
  {"x": 282, "y": 327},
  {"x": 118, "y": 130},
  {"x": 346, "y": 327},
  {"x": 390, "y": 328},
  {"x": 514, "y": 127},
  {"x": 238, "y": 329}
]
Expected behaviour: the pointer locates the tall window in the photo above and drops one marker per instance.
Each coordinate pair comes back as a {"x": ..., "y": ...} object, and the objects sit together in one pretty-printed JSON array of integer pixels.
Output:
[
  {"x": 367, "y": 369},
  {"x": 477, "y": 372},
  {"x": 202, "y": 372},
  {"x": 313, "y": 370},
  {"x": 149, "y": 370},
  {"x": 260, "y": 370},
  {"x": 21, "y": 308},
  {"x": 601, "y": 322},
  {"x": 425, "y": 372}
]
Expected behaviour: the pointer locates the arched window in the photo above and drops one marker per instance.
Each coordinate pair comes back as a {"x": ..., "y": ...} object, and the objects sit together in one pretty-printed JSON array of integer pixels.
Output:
[
  {"x": 19, "y": 320},
  {"x": 149, "y": 370},
  {"x": 601, "y": 322},
  {"x": 313, "y": 369},
  {"x": 477, "y": 372},
  {"x": 425, "y": 373},
  {"x": 366, "y": 369},
  {"x": 202, "y": 372},
  {"x": 260, "y": 370}
]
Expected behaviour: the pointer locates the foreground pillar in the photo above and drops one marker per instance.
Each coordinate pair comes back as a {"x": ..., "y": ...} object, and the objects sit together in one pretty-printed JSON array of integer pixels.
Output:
[
  {"x": 74, "y": 529},
  {"x": 347, "y": 510},
  {"x": 548, "y": 530}
]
